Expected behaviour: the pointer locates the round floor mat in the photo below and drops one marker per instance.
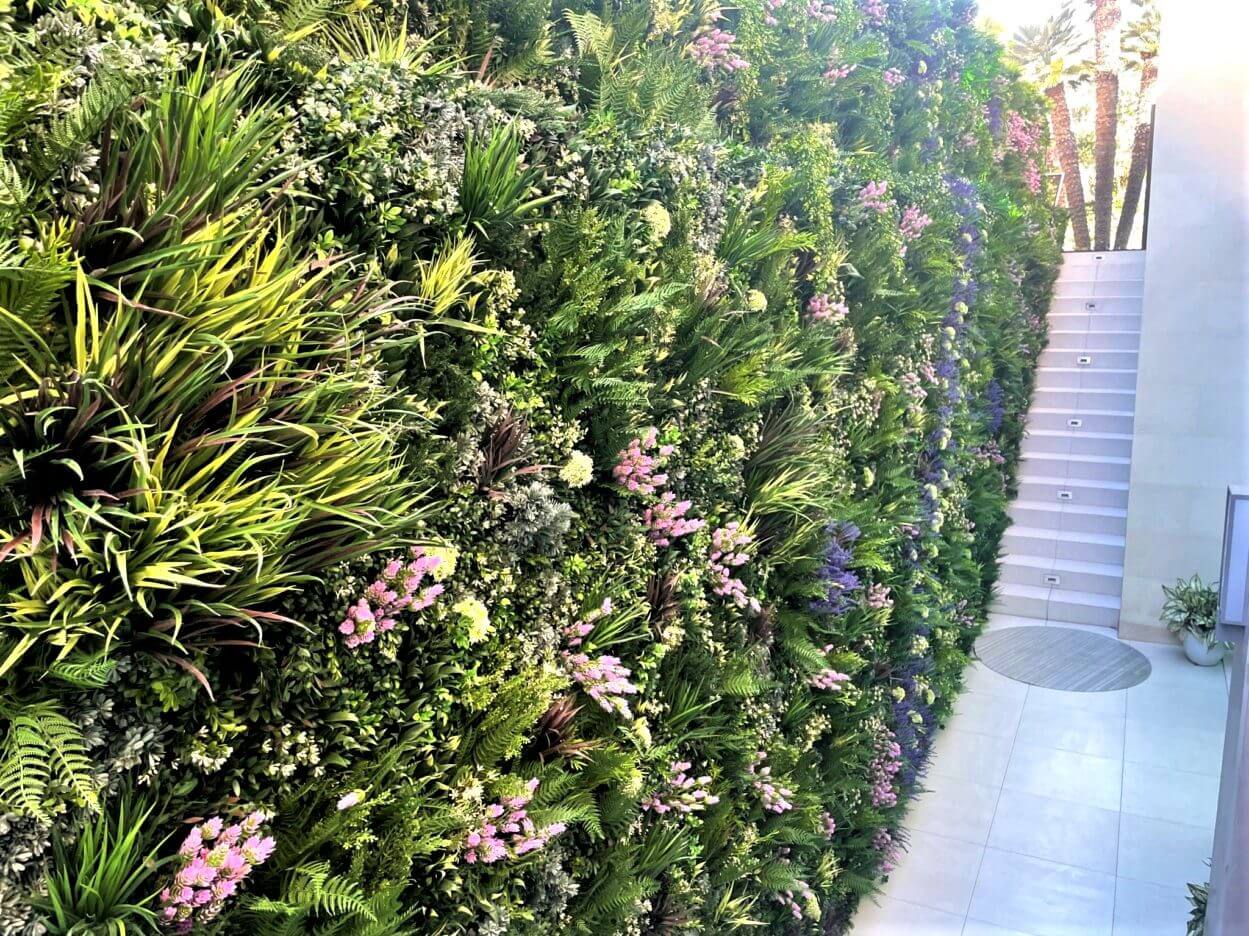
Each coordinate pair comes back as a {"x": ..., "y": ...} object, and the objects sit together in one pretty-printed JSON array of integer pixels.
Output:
[{"x": 1062, "y": 658}]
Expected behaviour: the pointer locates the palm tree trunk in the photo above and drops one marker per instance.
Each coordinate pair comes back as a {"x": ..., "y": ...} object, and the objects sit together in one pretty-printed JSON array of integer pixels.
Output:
[
  {"x": 1141, "y": 141},
  {"x": 1106, "y": 40},
  {"x": 1069, "y": 159}
]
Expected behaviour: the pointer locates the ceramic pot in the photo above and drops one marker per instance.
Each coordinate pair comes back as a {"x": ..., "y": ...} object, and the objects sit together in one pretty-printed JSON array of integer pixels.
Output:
[{"x": 1197, "y": 651}]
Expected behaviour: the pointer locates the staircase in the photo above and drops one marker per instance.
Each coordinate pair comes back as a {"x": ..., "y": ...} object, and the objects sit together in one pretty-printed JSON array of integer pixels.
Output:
[{"x": 1063, "y": 553}]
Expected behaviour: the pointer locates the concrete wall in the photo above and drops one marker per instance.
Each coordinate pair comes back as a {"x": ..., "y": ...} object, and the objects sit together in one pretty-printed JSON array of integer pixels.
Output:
[{"x": 1192, "y": 405}]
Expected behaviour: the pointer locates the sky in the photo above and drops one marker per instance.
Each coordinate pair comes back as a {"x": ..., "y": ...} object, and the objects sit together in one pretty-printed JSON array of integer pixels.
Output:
[{"x": 1012, "y": 14}]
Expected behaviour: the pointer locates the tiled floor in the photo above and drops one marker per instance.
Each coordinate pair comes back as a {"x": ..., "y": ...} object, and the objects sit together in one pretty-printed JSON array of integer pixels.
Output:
[{"x": 1055, "y": 813}]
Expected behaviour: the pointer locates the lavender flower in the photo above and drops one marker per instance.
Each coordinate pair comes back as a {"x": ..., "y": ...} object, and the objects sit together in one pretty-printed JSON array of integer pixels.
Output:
[
  {"x": 681, "y": 793},
  {"x": 838, "y": 580}
]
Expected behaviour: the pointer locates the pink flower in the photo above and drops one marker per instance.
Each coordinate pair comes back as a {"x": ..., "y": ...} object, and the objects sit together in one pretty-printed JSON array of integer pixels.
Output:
[{"x": 256, "y": 849}]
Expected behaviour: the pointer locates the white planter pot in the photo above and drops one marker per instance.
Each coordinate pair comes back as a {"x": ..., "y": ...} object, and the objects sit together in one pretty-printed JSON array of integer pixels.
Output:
[{"x": 1197, "y": 651}]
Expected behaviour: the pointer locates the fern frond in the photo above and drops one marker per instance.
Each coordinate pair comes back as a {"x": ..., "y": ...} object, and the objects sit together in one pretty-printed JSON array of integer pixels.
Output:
[{"x": 75, "y": 129}]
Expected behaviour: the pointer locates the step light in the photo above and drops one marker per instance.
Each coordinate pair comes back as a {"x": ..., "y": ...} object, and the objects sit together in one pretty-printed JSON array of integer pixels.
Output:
[
  {"x": 1084, "y": 360},
  {"x": 1074, "y": 423},
  {"x": 1099, "y": 257},
  {"x": 1051, "y": 579},
  {"x": 1066, "y": 495},
  {"x": 1090, "y": 306}
]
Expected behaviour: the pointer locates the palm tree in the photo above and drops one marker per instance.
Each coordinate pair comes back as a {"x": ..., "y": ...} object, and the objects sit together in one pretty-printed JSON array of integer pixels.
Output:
[
  {"x": 1106, "y": 40},
  {"x": 1046, "y": 52},
  {"x": 1140, "y": 41}
]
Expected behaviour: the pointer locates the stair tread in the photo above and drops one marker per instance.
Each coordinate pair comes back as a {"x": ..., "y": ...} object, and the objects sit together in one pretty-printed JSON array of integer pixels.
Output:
[
  {"x": 1072, "y": 508},
  {"x": 1066, "y": 411},
  {"x": 1079, "y": 434},
  {"x": 1046, "y": 368},
  {"x": 1023, "y": 591},
  {"x": 1105, "y": 459},
  {"x": 1074, "y": 482},
  {"x": 1063, "y": 565},
  {"x": 1089, "y": 331},
  {"x": 1088, "y": 599},
  {"x": 1096, "y": 539}
]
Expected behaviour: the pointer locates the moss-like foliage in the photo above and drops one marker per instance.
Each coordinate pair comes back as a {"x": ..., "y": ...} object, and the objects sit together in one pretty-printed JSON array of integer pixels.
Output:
[{"x": 539, "y": 469}]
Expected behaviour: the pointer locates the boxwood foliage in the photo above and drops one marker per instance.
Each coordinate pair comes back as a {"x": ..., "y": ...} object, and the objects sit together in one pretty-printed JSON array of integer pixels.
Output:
[{"x": 550, "y": 461}]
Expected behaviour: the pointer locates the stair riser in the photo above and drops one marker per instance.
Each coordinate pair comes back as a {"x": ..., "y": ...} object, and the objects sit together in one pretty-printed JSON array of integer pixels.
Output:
[
  {"x": 1096, "y": 306},
  {"x": 1107, "y": 288},
  {"x": 1021, "y": 606},
  {"x": 1046, "y": 492},
  {"x": 1048, "y": 396},
  {"x": 1077, "y": 445},
  {"x": 1073, "y": 613},
  {"x": 1086, "y": 378},
  {"x": 1020, "y": 545},
  {"x": 1056, "y": 466},
  {"x": 1089, "y": 422},
  {"x": 1126, "y": 263},
  {"x": 1079, "y": 321},
  {"x": 1070, "y": 357},
  {"x": 1099, "y": 341},
  {"x": 1065, "y": 522},
  {"x": 1073, "y": 581}
]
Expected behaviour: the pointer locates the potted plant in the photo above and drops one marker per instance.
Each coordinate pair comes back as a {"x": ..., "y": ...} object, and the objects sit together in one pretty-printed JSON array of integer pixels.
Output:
[{"x": 1190, "y": 611}]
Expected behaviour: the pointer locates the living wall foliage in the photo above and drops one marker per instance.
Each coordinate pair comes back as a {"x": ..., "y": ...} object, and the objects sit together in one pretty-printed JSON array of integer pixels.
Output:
[{"x": 485, "y": 467}]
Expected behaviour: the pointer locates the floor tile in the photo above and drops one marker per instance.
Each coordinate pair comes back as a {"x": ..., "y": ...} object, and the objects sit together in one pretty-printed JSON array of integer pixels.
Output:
[
  {"x": 979, "y": 678},
  {"x": 1171, "y": 667},
  {"x": 965, "y": 755},
  {"x": 1171, "y": 795},
  {"x": 1178, "y": 708},
  {"x": 1164, "y": 853},
  {"x": 937, "y": 872},
  {"x": 1065, "y": 775},
  {"x": 1066, "y": 833},
  {"x": 1196, "y": 750},
  {"x": 1111, "y": 703},
  {"x": 980, "y": 928},
  {"x": 1095, "y": 733},
  {"x": 1043, "y": 897},
  {"x": 987, "y": 714},
  {"x": 885, "y": 916},
  {"x": 954, "y": 808},
  {"x": 1144, "y": 909}
]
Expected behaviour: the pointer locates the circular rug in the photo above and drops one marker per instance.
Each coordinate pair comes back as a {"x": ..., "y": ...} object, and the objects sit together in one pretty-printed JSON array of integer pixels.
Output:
[{"x": 1062, "y": 658}]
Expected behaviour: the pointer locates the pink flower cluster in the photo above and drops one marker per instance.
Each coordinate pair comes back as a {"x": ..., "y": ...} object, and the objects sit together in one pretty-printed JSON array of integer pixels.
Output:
[
  {"x": 883, "y": 768},
  {"x": 728, "y": 552},
  {"x": 576, "y": 632},
  {"x": 786, "y": 899},
  {"x": 604, "y": 679},
  {"x": 875, "y": 197},
  {"x": 771, "y": 6},
  {"x": 878, "y": 596},
  {"x": 835, "y": 72},
  {"x": 714, "y": 49},
  {"x": 1032, "y": 175},
  {"x": 874, "y": 11},
  {"x": 822, "y": 308},
  {"x": 893, "y": 77},
  {"x": 636, "y": 468},
  {"x": 507, "y": 831},
  {"x": 828, "y": 680},
  {"x": 913, "y": 223},
  {"x": 1022, "y": 135},
  {"x": 213, "y": 861},
  {"x": 666, "y": 521},
  {"x": 821, "y": 11},
  {"x": 887, "y": 848},
  {"x": 775, "y": 798},
  {"x": 829, "y": 824},
  {"x": 398, "y": 589},
  {"x": 682, "y": 793}
]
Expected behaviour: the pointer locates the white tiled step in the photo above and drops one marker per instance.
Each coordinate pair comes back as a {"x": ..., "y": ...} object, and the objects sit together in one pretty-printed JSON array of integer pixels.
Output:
[
  {"x": 1065, "y": 518},
  {"x": 1087, "y": 467},
  {"x": 1029, "y": 601},
  {"x": 1056, "y": 418},
  {"x": 1083, "y": 398},
  {"x": 1077, "y": 442},
  {"x": 1109, "y": 288},
  {"x": 1088, "y": 358},
  {"x": 1097, "y": 306},
  {"x": 1077, "y": 320},
  {"x": 1108, "y": 262},
  {"x": 1087, "y": 378},
  {"x": 1073, "y": 575},
  {"x": 1083, "y": 547},
  {"x": 1097, "y": 340},
  {"x": 1085, "y": 493},
  {"x": 1080, "y": 607}
]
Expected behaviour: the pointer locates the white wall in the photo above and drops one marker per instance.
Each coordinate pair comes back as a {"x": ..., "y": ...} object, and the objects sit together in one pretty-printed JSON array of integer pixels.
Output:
[{"x": 1192, "y": 405}]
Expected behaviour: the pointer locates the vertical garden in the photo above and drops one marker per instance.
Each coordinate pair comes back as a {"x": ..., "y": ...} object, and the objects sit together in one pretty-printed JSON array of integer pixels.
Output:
[{"x": 495, "y": 467}]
